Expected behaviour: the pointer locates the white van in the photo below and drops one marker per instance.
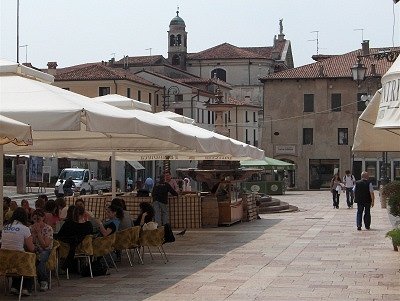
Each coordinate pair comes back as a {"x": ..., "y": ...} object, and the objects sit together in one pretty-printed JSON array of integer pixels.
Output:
[{"x": 83, "y": 181}]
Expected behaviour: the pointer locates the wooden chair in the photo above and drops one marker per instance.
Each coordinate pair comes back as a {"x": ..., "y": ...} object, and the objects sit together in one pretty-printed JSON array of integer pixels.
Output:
[
  {"x": 52, "y": 262},
  {"x": 84, "y": 250},
  {"x": 153, "y": 238},
  {"x": 135, "y": 240},
  {"x": 123, "y": 241},
  {"x": 17, "y": 264},
  {"x": 103, "y": 246}
]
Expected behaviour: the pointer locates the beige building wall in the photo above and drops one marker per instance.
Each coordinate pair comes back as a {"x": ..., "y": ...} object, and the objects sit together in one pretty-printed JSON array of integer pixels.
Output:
[
  {"x": 91, "y": 89},
  {"x": 285, "y": 120}
]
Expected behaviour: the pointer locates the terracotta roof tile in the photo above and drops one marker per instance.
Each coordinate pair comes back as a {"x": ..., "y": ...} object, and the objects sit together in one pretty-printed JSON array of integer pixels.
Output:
[
  {"x": 142, "y": 60},
  {"x": 97, "y": 71},
  {"x": 335, "y": 67},
  {"x": 199, "y": 80},
  {"x": 224, "y": 51}
]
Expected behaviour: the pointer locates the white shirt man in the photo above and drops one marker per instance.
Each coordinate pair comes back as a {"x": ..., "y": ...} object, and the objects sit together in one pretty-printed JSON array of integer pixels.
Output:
[{"x": 349, "y": 181}]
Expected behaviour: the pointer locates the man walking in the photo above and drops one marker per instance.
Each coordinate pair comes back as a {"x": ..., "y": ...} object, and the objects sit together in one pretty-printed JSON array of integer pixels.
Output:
[
  {"x": 349, "y": 181},
  {"x": 364, "y": 197},
  {"x": 160, "y": 201}
]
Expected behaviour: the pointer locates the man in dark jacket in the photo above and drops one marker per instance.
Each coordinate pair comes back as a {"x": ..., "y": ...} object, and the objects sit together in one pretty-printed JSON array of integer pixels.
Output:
[
  {"x": 68, "y": 184},
  {"x": 364, "y": 197},
  {"x": 160, "y": 200}
]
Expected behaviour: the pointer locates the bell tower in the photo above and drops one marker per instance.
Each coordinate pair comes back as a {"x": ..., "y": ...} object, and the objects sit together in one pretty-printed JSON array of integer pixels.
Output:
[{"x": 177, "y": 42}]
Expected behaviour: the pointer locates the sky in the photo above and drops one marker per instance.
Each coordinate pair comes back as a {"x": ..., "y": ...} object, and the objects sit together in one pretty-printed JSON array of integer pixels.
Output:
[{"x": 73, "y": 32}]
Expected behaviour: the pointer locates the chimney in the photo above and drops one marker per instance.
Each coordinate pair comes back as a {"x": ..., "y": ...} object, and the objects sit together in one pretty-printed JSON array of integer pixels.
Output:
[
  {"x": 365, "y": 47},
  {"x": 321, "y": 70},
  {"x": 275, "y": 55},
  {"x": 373, "y": 69},
  {"x": 111, "y": 62},
  {"x": 52, "y": 68}
]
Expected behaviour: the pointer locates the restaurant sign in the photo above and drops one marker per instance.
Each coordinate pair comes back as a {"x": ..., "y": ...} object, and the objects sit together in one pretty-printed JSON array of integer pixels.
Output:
[{"x": 285, "y": 149}]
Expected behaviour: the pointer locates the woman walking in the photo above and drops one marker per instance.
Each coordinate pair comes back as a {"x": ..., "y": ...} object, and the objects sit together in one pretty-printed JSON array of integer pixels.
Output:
[{"x": 336, "y": 188}]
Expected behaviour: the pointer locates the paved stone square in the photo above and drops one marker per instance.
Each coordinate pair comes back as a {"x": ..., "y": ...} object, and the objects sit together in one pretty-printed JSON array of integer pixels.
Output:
[{"x": 314, "y": 254}]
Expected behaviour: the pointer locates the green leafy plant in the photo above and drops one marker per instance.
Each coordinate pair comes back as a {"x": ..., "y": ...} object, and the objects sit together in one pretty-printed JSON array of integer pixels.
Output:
[
  {"x": 390, "y": 189},
  {"x": 394, "y": 234},
  {"x": 394, "y": 204}
]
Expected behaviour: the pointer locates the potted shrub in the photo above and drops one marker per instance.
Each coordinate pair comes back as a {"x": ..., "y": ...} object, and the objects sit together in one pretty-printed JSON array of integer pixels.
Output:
[
  {"x": 394, "y": 234},
  {"x": 391, "y": 194}
]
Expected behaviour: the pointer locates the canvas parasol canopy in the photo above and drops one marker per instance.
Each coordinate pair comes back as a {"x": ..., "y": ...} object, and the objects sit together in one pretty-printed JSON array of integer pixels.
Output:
[
  {"x": 18, "y": 133},
  {"x": 368, "y": 138},
  {"x": 388, "y": 116},
  {"x": 67, "y": 124},
  {"x": 268, "y": 163}
]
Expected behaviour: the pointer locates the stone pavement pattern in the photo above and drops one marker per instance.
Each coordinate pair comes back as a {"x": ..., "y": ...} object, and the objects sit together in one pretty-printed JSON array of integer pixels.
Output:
[{"x": 313, "y": 254}]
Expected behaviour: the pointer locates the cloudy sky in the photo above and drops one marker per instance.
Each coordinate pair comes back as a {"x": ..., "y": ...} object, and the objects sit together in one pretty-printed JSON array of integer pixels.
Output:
[{"x": 79, "y": 31}]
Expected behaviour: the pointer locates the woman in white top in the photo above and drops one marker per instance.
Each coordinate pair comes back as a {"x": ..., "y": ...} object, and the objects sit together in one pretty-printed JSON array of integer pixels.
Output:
[{"x": 17, "y": 236}]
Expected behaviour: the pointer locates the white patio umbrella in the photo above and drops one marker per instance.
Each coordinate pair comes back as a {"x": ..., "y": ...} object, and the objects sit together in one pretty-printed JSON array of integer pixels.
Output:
[
  {"x": 123, "y": 102},
  {"x": 69, "y": 124},
  {"x": 369, "y": 138},
  {"x": 176, "y": 117},
  {"x": 18, "y": 133},
  {"x": 388, "y": 116}
]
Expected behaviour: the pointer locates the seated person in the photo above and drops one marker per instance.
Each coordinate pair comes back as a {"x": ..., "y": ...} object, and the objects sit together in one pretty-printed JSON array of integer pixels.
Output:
[
  {"x": 114, "y": 216},
  {"x": 17, "y": 236},
  {"x": 52, "y": 217},
  {"x": 42, "y": 235},
  {"x": 126, "y": 221},
  {"x": 146, "y": 214},
  {"x": 11, "y": 209},
  {"x": 28, "y": 209},
  {"x": 81, "y": 203},
  {"x": 73, "y": 231}
]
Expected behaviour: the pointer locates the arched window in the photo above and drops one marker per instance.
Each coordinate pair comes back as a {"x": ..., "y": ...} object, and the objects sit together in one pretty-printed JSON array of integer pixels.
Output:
[
  {"x": 178, "y": 40},
  {"x": 172, "y": 40},
  {"x": 219, "y": 73},
  {"x": 176, "y": 60}
]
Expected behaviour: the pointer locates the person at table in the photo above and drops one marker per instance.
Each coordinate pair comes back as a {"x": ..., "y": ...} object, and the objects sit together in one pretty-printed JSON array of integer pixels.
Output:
[
  {"x": 28, "y": 209},
  {"x": 114, "y": 215},
  {"x": 51, "y": 211},
  {"x": 17, "y": 236},
  {"x": 11, "y": 209},
  {"x": 62, "y": 208},
  {"x": 146, "y": 214},
  {"x": 73, "y": 231},
  {"x": 81, "y": 203},
  {"x": 126, "y": 221},
  {"x": 42, "y": 235}
]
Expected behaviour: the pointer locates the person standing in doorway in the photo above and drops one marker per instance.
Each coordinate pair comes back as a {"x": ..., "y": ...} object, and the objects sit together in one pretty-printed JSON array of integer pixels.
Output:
[
  {"x": 365, "y": 198},
  {"x": 336, "y": 188},
  {"x": 160, "y": 200},
  {"x": 349, "y": 182}
]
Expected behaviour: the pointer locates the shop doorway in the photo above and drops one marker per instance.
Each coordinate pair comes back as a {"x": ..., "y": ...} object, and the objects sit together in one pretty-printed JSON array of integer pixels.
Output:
[{"x": 321, "y": 172}]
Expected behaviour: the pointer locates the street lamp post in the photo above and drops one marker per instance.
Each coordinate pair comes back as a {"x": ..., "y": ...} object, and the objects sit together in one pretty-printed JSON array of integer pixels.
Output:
[
  {"x": 359, "y": 75},
  {"x": 172, "y": 90}
]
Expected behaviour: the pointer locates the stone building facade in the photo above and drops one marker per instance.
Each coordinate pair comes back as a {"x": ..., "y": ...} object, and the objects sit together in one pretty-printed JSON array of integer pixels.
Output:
[{"x": 311, "y": 114}]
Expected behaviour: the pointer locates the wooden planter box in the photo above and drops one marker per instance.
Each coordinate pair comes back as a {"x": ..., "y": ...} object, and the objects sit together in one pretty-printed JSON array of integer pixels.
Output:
[{"x": 229, "y": 212}]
